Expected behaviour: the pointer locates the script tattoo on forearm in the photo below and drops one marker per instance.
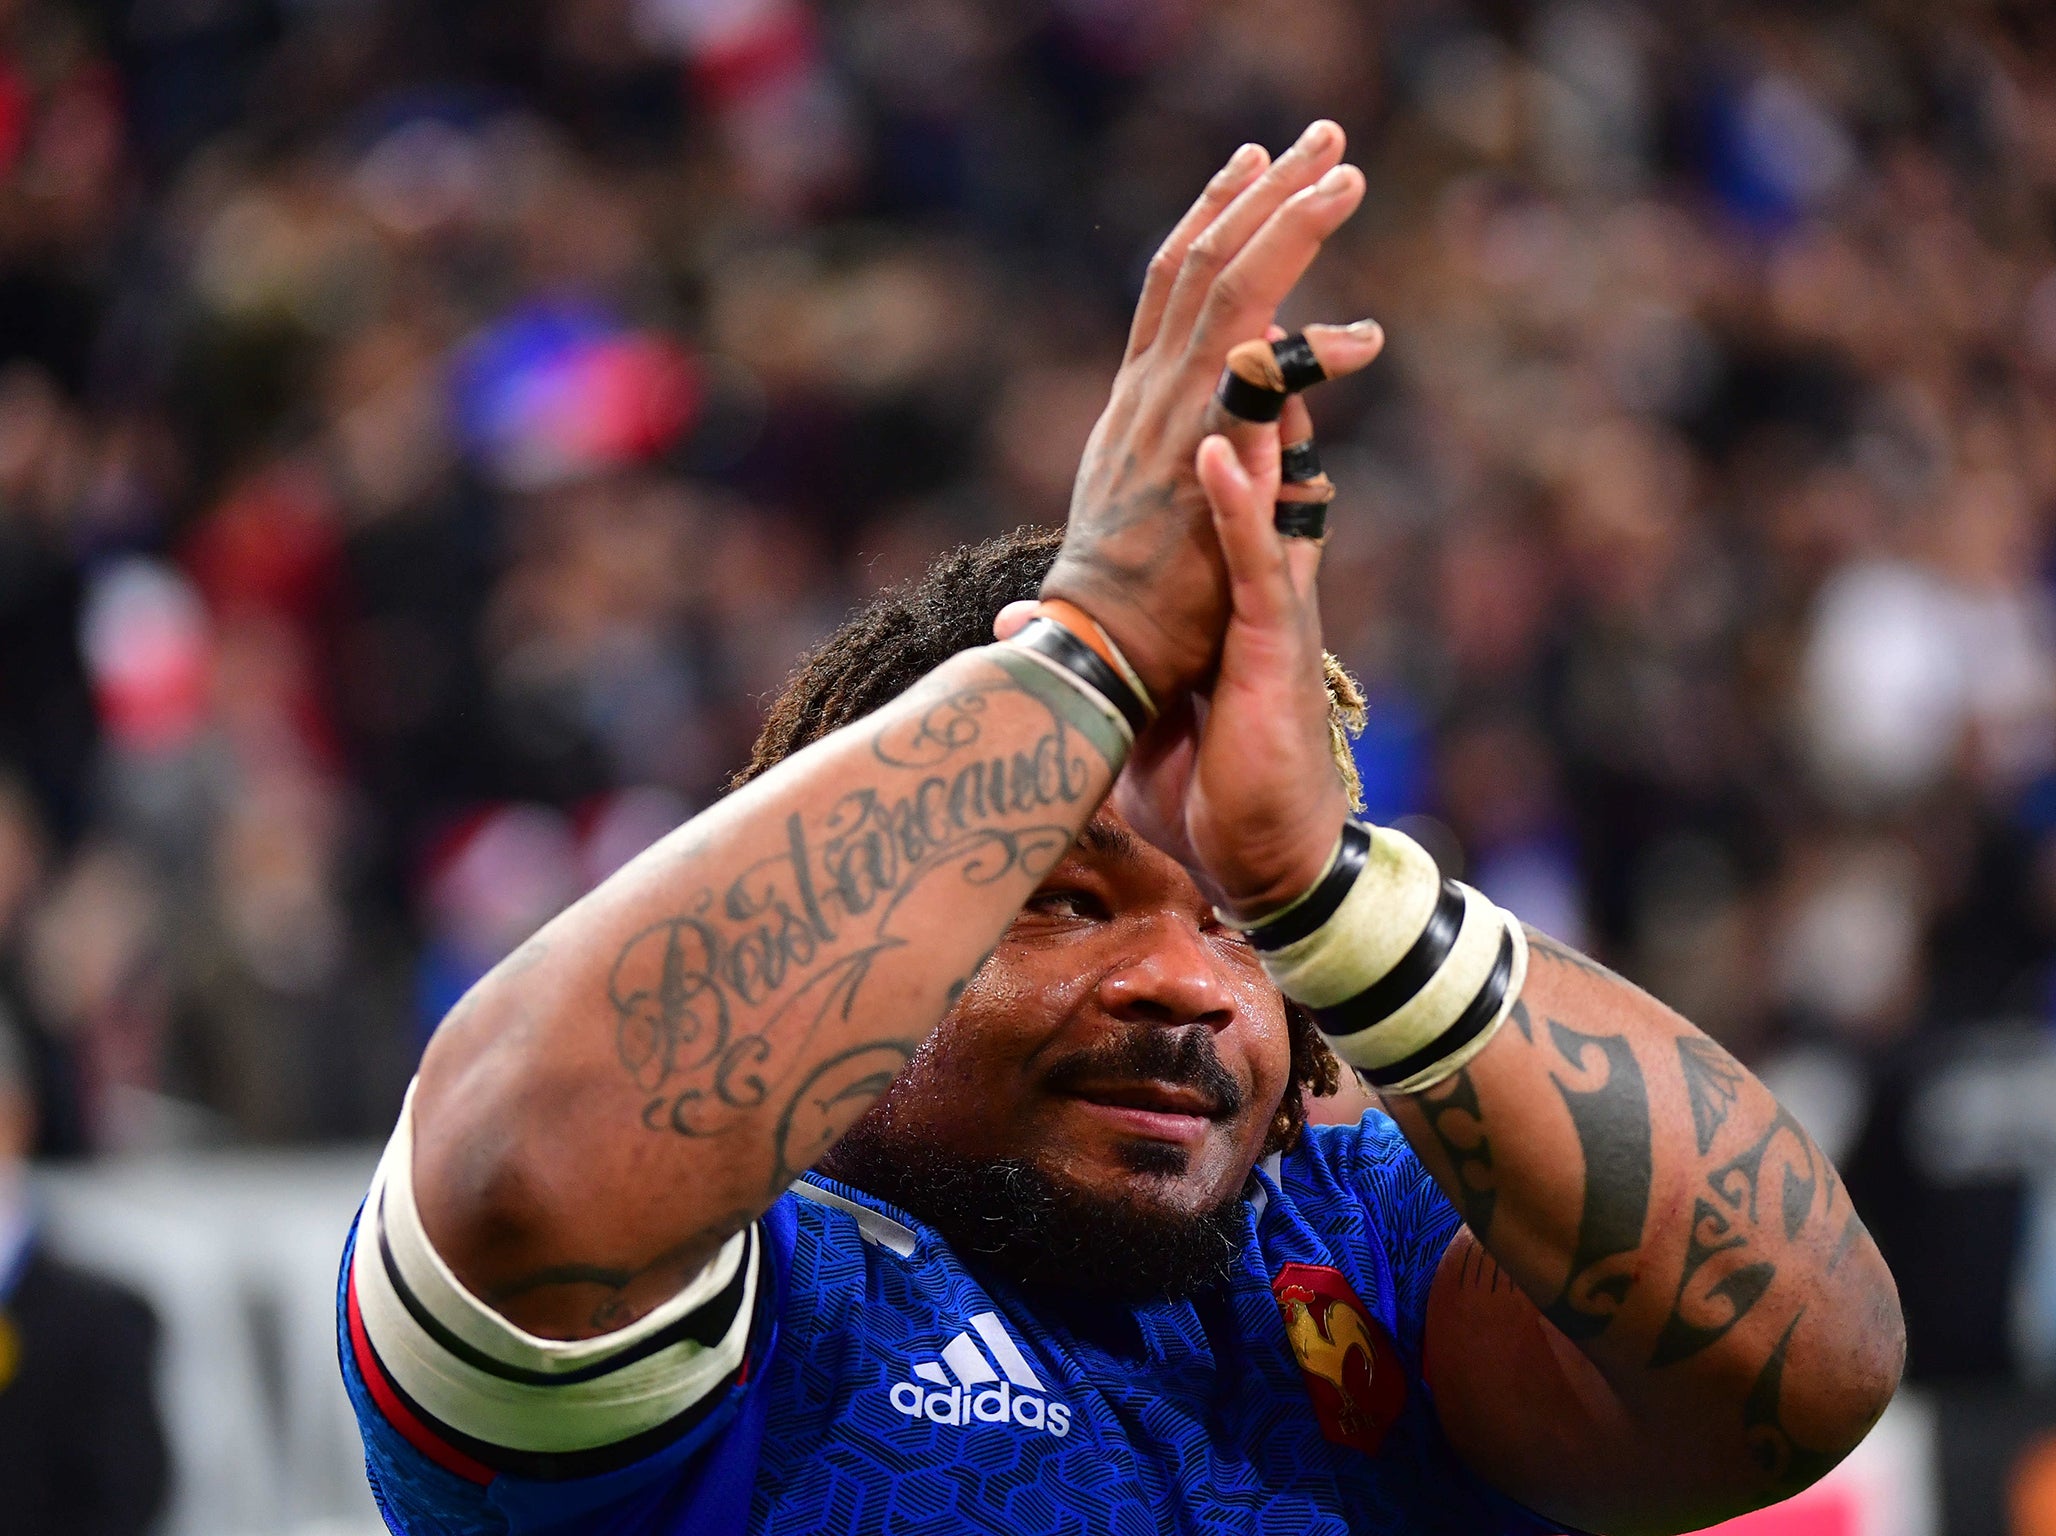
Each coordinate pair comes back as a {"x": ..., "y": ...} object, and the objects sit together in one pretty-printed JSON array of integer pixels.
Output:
[
  {"x": 715, "y": 1005},
  {"x": 1609, "y": 1109}
]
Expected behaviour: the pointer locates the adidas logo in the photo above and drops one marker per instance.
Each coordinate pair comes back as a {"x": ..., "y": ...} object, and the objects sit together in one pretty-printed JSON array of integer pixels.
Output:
[{"x": 979, "y": 1394}]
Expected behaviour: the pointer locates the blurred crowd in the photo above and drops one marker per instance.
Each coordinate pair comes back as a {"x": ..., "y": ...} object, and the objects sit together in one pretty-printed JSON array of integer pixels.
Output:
[{"x": 428, "y": 432}]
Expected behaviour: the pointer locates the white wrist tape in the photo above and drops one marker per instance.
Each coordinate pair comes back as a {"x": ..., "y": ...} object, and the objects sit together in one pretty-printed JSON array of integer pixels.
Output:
[
  {"x": 1045, "y": 646},
  {"x": 1408, "y": 974},
  {"x": 1077, "y": 684}
]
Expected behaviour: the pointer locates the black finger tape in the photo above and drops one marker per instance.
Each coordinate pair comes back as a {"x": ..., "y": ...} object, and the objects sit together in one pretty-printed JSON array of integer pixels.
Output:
[
  {"x": 1301, "y": 519},
  {"x": 1246, "y": 401},
  {"x": 1297, "y": 362},
  {"x": 1299, "y": 463}
]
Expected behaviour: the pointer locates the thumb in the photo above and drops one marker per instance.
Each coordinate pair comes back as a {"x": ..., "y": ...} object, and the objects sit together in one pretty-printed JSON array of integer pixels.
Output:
[
  {"x": 1259, "y": 582},
  {"x": 1011, "y": 618}
]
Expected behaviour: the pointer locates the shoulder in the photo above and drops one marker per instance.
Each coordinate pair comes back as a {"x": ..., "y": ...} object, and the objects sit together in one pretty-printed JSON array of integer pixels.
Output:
[
  {"x": 1362, "y": 1189},
  {"x": 1371, "y": 1157}
]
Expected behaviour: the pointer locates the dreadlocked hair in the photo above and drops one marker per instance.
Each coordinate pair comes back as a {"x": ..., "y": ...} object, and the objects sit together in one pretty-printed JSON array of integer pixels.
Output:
[{"x": 905, "y": 633}]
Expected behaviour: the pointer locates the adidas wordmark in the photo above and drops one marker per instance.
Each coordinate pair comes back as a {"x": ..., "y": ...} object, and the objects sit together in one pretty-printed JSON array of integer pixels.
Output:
[{"x": 979, "y": 1394}]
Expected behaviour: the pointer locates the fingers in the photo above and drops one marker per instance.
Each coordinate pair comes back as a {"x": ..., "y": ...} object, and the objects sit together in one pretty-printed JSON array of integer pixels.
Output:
[
  {"x": 1260, "y": 582},
  {"x": 1261, "y": 378},
  {"x": 1259, "y": 375},
  {"x": 1304, "y": 492},
  {"x": 1296, "y": 431},
  {"x": 1213, "y": 249},
  {"x": 1241, "y": 299},
  {"x": 1010, "y": 619},
  {"x": 1242, "y": 168}
]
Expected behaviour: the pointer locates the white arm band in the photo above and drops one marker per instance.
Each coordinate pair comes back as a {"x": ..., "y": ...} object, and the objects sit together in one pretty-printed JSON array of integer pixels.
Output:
[
  {"x": 546, "y": 1407},
  {"x": 1408, "y": 974}
]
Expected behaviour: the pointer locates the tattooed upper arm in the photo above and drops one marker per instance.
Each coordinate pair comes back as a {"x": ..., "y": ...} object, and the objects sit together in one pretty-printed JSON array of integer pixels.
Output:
[
  {"x": 1601, "y": 1085},
  {"x": 1678, "y": 1227}
]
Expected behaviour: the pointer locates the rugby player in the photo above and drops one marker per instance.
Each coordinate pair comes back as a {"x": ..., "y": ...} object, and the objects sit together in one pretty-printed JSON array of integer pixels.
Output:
[{"x": 917, "y": 1140}]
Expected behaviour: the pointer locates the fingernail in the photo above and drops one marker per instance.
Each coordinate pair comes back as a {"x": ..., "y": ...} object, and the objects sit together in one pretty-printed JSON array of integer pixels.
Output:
[
  {"x": 1316, "y": 134},
  {"x": 1366, "y": 330},
  {"x": 1244, "y": 157},
  {"x": 1335, "y": 182}
]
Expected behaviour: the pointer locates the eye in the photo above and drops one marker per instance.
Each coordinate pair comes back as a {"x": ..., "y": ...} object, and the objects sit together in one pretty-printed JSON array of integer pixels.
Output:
[
  {"x": 1235, "y": 940},
  {"x": 1068, "y": 903}
]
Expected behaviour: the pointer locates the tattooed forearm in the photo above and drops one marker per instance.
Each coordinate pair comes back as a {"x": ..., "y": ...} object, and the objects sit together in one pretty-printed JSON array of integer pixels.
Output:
[
  {"x": 1609, "y": 1108},
  {"x": 831, "y": 1099},
  {"x": 1709, "y": 1303},
  {"x": 703, "y": 1027},
  {"x": 715, "y": 1005}
]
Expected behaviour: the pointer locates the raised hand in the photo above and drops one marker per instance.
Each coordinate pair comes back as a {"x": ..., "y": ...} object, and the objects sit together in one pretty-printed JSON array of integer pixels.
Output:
[
  {"x": 1262, "y": 803},
  {"x": 1139, "y": 553},
  {"x": 1238, "y": 782}
]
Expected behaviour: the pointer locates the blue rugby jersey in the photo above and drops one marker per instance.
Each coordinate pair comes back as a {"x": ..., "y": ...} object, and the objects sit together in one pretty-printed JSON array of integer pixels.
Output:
[{"x": 889, "y": 1387}]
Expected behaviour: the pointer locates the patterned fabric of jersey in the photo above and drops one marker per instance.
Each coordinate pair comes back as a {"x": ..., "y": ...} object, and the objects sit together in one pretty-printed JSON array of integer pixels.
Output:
[{"x": 911, "y": 1394}]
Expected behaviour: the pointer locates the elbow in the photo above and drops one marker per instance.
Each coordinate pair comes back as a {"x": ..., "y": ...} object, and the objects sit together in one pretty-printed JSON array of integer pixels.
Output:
[
  {"x": 1872, "y": 1335},
  {"x": 1880, "y": 1355},
  {"x": 1856, "y": 1367},
  {"x": 487, "y": 1186},
  {"x": 482, "y": 1203}
]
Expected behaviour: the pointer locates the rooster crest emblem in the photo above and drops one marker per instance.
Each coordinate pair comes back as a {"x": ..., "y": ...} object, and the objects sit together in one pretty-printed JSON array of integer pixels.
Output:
[{"x": 1351, "y": 1368}]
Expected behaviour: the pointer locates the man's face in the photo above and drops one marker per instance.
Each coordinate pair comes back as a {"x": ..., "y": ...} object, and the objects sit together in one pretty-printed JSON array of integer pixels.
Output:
[{"x": 1120, "y": 1044}]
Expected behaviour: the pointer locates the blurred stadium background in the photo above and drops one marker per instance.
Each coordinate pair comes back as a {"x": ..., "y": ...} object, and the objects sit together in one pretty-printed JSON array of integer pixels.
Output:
[{"x": 428, "y": 428}]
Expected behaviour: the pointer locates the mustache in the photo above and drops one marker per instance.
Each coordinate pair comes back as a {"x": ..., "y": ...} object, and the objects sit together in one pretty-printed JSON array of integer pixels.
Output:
[{"x": 1184, "y": 1057}]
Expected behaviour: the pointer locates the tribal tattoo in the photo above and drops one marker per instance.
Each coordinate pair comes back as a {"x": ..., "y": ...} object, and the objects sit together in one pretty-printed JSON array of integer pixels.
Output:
[
  {"x": 1767, "y": 1188},
  {"x": 1457, "y": 1123},
  {"x": 1788, "y": 1464},
  {"x": 1609, "y": 1108},
  {"x": 1731, "y": 1259},
  {"x": 1712, "y": 1079},
  {"x": 1761, "y": 1193}
]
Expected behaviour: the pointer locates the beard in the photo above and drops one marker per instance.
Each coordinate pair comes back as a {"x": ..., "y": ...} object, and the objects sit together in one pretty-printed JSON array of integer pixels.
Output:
[{"x": 1013, "y": 1217}]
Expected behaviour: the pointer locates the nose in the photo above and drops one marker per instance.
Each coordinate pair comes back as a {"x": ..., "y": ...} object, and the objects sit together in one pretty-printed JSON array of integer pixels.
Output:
[{"x": 1167, "y": 977}]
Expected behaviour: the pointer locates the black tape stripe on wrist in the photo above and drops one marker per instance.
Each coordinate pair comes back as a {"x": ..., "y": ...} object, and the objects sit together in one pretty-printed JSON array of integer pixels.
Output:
[
  {"x": 1483, "y": 1010},
  {"x": 1298, "y": 463},
  {"x": 1398, "y": 986},
  {"x": 1300, "y": 519},
  {"x": 1046, "y": 637},
  {"x": 1246, "y": 401},
  {"x": 1324, "y": 898},
  {"x": 1297, "y": 362}
]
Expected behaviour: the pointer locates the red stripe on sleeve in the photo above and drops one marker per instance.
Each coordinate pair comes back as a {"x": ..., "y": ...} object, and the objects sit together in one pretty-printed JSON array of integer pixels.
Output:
[{"x": 397, "y": 1413}]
